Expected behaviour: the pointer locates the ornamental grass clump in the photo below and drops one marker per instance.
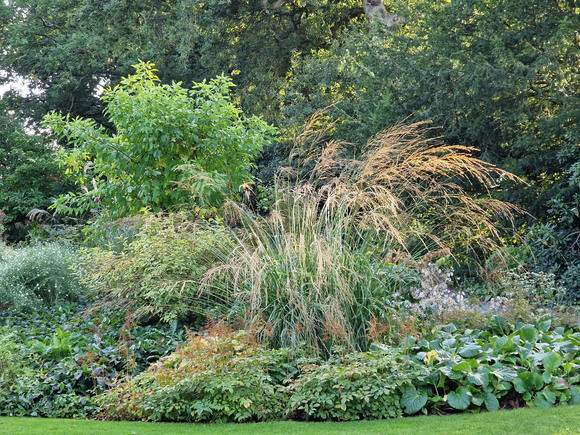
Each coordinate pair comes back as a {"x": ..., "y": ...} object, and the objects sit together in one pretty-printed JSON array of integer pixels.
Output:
[{"x": 343, "y": 237}]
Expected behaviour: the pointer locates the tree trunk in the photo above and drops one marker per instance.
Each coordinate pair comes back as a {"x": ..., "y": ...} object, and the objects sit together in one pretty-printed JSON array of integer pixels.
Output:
[{"x": 373, "y": 9}]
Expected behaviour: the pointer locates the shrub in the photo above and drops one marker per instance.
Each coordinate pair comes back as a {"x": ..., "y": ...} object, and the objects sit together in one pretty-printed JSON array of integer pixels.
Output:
[
  {"x": 224, "y": 376},
  {"x": 29, "y": 175},
  {"x": 159, "y": 270},
  {"x": 352, "y": 387},
  {"x": 38, "y": 276},
  {"x": 61, "y": 359},
  {"x": 165, "y": 135},
  {"x": 556, "y": 252}
]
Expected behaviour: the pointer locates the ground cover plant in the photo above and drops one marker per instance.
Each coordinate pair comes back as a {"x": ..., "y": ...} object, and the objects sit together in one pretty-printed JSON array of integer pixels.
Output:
[
  {"x": 224, "y": 375},
  {"x": 54, "y": 362},
  {"x": 529, "y": 364}
]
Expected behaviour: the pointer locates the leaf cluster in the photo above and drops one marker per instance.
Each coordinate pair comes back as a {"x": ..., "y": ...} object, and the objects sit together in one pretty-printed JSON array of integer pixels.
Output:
[
  {"x": 59, "y": 360},
  {"x": 476, "y": 369},
  {"x": 168, "y": 142}
]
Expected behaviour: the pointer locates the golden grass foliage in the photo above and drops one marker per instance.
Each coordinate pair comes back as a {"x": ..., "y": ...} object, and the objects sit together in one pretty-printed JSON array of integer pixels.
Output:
[{"x": 313, "y": 271}]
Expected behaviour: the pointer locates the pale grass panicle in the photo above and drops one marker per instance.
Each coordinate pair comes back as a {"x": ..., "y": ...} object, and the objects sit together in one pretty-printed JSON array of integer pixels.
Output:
[{"x": 311, "y": 270}]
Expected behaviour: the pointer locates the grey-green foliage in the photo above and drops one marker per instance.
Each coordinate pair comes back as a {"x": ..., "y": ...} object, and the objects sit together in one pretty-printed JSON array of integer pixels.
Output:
[
  {"x": 37, "y": 276},
  {"x": 478, "y": 368}
]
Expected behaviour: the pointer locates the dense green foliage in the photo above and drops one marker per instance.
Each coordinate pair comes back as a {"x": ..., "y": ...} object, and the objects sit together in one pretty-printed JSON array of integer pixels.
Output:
[
  {"x": 325, "y": 253},
  {"x": 53, "y": 363},
  {"x": 473, "y": 369},
  {"x": 29, "y": 176},
  {"x": 220, "y": 377},
  {"x": 171, "y": 147},
  {"x": 501, "y": 76},
  {"x": 159, "y": 269},
  {"x": 354, "y": 386},
  {"x": 532, "y": 365},
  {"x": 70, "y": 50},
  {"x": 38, "y": 276}
]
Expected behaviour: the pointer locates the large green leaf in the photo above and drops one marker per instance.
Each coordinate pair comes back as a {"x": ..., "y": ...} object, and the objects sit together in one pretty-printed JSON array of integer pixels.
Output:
[
  {"x": 470, "y": 350},
  {"x": 503, "y": 372},
  {"x": 545, "y": 398},
  {"x": 575, "y": 395},
  {"x": 465, "y": 366},
  {"x": 479, "y": 378},
  {"x": 491, "y": 402},
  {"x": 459, "y": 399},
  {"x": 448, "y": 371},
  {"x": 545, "y": 326},
  {"x": 528, "y": 333},
  {"x": 413, "y": 401},
  {"x": 551, "y": 361},
  {"x": 533, "y": 381}
]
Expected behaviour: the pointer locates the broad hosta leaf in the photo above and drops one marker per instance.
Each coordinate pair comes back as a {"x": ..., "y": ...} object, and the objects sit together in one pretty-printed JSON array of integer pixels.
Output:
[
  {"x": 462, "y": 366},
  {"x": 413, "y": 400},
  {"x": 491, "y": 402},
  {"x": 528, "y": 333},
  {"x": 527, "y": 382},
  {"x": 545, "y": 326},
  {"x": 498, "y": 324},
  {"x": 521, "y": 386},
  {"x": 477, "y": 400},
  {"x": 448, "y": 371},
  {"x": 479, "y": 378},
  {"x": 503, "y": 372},
  {"x": 551, "y": 361},
  {"x": 470, "y": 350},
  {"x": 449, "y": 342},
  {"x": 545, "y": 398},
  {"x": 547, "y": 377},
  {"x": 459, "y": 399}
]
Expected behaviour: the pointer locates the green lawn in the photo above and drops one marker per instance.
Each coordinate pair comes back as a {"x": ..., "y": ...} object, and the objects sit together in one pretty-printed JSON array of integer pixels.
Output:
[{"x": 558, "y": 420}]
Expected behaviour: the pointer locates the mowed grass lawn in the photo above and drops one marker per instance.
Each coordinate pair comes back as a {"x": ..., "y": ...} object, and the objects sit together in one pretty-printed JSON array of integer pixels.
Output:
[{"x": 557, "y": 420}]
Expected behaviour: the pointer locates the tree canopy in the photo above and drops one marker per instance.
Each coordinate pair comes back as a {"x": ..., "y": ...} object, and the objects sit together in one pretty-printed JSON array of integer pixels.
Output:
[{"x": 171, "y": 146}]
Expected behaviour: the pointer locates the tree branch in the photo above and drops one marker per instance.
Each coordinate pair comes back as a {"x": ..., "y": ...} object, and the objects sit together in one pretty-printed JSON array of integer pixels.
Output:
[
  {"x": 265, "y": 4},
  {"x": 375, "y": 10}
]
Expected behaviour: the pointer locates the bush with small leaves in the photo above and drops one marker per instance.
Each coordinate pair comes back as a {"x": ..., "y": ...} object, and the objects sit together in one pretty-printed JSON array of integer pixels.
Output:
[
  {"x": 38, "y": 276},
  {"x": 224, "y": 376}
]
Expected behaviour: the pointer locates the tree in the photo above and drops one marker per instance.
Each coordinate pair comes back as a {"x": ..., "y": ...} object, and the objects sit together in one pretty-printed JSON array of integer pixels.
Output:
[
  {"x": 166, "y": 137},
  {"x": 499, "y": 75},
  {"x": 29, "y": 176},
  {"x": 71, "y": 49}
]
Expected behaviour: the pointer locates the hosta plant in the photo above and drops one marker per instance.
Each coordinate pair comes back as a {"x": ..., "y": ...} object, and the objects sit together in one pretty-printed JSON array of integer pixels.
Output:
[{"x": 532, "y": 366}]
